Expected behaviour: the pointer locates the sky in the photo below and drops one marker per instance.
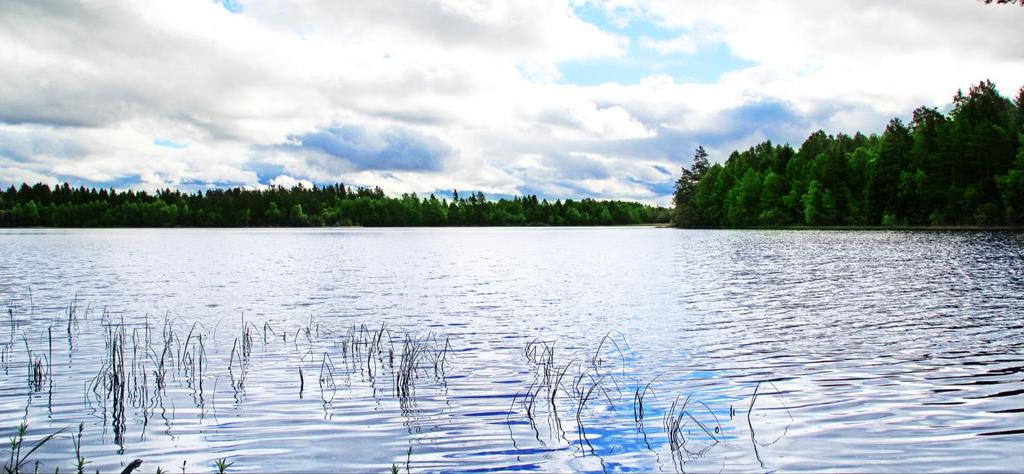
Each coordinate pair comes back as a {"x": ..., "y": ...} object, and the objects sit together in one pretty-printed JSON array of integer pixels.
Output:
[{"x": 563, "y": 99}]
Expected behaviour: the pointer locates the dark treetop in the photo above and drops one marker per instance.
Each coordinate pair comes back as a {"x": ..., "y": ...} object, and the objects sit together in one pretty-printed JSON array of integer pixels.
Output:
[
  {"x": 334, "y": 205},
  {"x": 961, "y": 169}
]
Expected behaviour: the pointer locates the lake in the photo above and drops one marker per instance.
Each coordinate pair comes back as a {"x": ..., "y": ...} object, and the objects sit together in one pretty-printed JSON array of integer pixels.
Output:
[{"x": 480, "y": 349}]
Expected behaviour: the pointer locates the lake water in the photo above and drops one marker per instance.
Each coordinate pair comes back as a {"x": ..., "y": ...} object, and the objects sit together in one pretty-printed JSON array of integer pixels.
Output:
[{"x": 515, "y": 349}]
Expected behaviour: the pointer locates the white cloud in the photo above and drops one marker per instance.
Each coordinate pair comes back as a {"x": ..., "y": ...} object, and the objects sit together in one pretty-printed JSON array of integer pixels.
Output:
[
  {"x": 89, "y": 85},
  {"x": 11, "y": 173},
  {"x": 289, "y": 182}
]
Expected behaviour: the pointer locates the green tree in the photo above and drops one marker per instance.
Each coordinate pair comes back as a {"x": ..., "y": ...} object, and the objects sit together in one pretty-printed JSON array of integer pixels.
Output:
[
  {"x": 297, "y": 216},
  {"x": 27, "y": 214},
  {"x": 273, "y": 214},
  {"x": 744, "y": 199},
  {"x": 819, "y": 205},
  {"x": 772, "y": 190},
  {"x": 1011, "y": 189},
  {"x": 685, "y": 212},
  {"x": 884, "y": 173}
]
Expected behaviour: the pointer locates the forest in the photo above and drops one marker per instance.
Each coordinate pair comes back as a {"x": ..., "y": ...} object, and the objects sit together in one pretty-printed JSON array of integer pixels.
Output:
[
  {"x": 331, "y": 205},
  {"x": 964, "y": 168}
]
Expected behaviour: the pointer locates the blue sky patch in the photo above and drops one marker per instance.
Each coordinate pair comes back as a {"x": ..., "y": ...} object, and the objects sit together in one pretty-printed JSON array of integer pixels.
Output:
[
  {"x": 233, "y": 6},
  {"x": 265, "y": 172},
  {"x": 660, "y": 188},
  {"x": 705, "y": 65},
  {"x": 166, "y": 143}
]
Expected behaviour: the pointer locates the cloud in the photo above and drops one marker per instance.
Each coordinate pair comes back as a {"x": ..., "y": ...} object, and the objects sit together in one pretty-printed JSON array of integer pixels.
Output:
[
  {"x": 577, "y": 166},
  {"x": 11, "y": 173},
  {"x": 467, "y": 94},
  {"x": 521, "y": 30},
  {"x": 289, "y": 182},
  {"x": 587, "y": 119},
  {"x": 581, "y": 175},
  {"x": 388, "y": 149},
  {"x": 86, "y": 155}
]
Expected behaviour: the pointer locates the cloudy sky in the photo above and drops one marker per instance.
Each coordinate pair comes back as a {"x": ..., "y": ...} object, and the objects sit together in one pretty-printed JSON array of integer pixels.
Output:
[{"x": 562, "y": 99}]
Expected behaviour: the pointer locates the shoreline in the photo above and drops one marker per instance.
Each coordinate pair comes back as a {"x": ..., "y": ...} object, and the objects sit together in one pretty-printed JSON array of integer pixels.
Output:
[
  {"x": 655, "y": 225},
  {"x": 535, "y": 226},
  {"x": 944, "y": 228}
]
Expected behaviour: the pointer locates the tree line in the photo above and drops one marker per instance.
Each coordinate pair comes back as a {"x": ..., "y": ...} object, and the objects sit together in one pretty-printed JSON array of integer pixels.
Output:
[
  {"x": 964, "y": 168},
  {"x": 331, "y": 205}
]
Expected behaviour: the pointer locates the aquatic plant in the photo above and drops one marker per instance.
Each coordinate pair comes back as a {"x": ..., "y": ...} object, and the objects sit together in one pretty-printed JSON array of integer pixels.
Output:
[
  {"x": 222, "y": 465},
  {"x": 141, "y": 365},
  {"x": 17, "y": 460},
  {"x": 76, "y": 441}
]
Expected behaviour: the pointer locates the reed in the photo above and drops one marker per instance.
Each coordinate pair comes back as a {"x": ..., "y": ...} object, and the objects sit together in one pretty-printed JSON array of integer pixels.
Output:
[
  {"x": 584, "y": 392},
  {"x": 17, "y": 460},
  {"x": 222, "y": 465},
  {"x": 328, "y": 389},
  {"x": 38, "y": 368},
  {"x": 639, "y": 394},
  {"x": 412, "y": 350},
  {"x": 72, "y": 318},
  {"x": 238, "y": 367},
  {"x": 683, "y": 446},
  {"x": 692, "y": 429},
  {"x": 144, "y": 362},
  {"x": 76, "y": 441}
]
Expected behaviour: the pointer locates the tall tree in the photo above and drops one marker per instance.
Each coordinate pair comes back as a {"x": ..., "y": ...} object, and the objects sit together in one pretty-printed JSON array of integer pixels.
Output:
[
  {"x": 685, "y": 211},
  {"x": 884, "y": 173}
]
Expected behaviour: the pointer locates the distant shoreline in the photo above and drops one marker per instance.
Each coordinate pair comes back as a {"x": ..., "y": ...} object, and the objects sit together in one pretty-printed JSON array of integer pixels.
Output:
[
  {"x": 523, "y": 226},
  {"x": 946, "y": 228},
  {"x": 655, "y": 225}
]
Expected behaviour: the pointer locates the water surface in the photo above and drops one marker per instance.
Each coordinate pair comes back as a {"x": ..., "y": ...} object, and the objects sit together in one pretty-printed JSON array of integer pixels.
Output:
[{"x": 756, "y": 351}]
